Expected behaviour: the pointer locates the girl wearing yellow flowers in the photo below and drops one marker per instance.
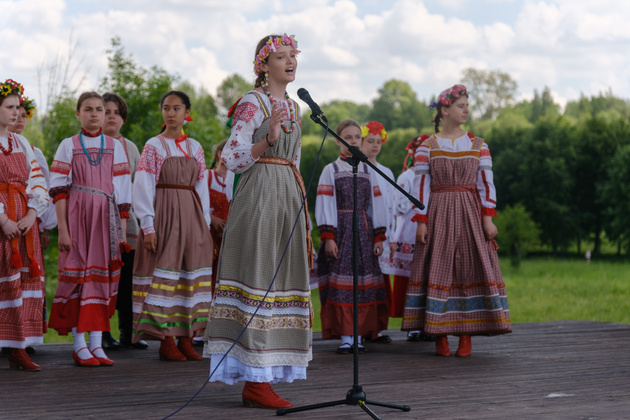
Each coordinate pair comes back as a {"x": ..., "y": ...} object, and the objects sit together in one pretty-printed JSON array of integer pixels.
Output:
[
  {"x": 333, "y": 212},
  {"x": 374, "y": 135},
  {"x": 23, "y": 197}
]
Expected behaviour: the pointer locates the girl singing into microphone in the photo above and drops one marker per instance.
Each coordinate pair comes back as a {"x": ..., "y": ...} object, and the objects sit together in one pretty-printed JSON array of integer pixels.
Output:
[{"x": 264, "y": 148}]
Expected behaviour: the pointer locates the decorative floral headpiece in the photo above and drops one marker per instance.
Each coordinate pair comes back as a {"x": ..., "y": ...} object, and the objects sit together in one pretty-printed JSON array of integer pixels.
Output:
[
  {"x": 29, "y": 106},
  {"x": 411, "y": 150},
  {"x": 450, "y": 95},
  {"x": 374, "y": 127},
  {"x": 272, "y": 45},
  {"x": 9, "y": 87}
]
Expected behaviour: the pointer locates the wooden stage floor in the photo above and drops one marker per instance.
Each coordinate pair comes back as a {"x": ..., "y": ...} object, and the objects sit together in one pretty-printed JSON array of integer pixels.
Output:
[{"x": 551, "y": 370}]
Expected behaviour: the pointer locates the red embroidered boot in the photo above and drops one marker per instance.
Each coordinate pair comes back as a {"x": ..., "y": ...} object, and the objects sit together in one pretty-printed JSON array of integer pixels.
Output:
[
  {"x": 184, "y": 345},
  {"x": 19, "y": 359},
  {"x": 261, "y": 394},
  {"x": 465, "y": 346},
  {"x": 441, "y": 346},
  {"x": 168, "y": 351}
]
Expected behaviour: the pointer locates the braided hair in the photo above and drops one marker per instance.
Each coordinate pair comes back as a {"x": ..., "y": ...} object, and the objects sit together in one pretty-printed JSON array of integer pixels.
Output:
[{"x": 438, "y": 117}]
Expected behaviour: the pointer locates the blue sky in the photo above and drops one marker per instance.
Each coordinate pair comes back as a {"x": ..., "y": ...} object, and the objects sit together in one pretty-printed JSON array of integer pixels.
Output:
[{"x": 350, "y": 48}]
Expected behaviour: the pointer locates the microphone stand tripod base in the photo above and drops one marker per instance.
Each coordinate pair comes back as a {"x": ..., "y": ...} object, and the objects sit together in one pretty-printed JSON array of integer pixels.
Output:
[{"x": 355, "y": 396}]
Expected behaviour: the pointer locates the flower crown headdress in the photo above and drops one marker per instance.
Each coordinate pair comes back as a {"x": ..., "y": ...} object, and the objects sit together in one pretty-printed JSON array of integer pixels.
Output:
[
  {"x": 29, "y": 105},
  {"x": 450, "y": 95},
  {"x": 272, "y": 45},
  {"x": 9, "y": 87},
  {"x": 374, "y": 127},
  {"x": 411, "y": 150}
]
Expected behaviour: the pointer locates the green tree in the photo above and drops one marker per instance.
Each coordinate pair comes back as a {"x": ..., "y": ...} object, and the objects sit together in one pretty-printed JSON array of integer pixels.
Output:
[
  {"x": 206, "y": 126},
  {"x": 540, "y": 106},
  {"x": 142, "y": 89},
  {"x": 60, "y": 122},
  {"x": 589, "y": 107},
  {"x": 231, "y": 89},
  {"x": 597, "y": 142},
  {"x": 490, "y": 91},
  {"x": 616, "y": 194},
  {"x": 397, "y": 107},
  {"x": 536, "y": 170},
  {"x": 518, "y": 233},
  {"x": 335, "y": 111}
]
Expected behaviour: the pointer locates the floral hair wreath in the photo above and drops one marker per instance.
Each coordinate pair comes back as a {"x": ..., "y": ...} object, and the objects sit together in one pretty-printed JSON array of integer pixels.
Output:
[
  {"x": 450, "y": 95},
  {"x": 29, "y": 105},
  {"x": 9, "y": 87},
  {"x": 374, "y": 127},
  {"x": 272, "y": 45}
]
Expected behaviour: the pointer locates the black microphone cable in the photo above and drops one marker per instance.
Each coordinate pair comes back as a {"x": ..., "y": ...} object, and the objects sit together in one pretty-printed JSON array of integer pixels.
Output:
[{"x": 270, "y": 285}]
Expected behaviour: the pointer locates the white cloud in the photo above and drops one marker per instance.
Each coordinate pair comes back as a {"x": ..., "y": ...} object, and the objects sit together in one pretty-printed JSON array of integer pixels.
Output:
[{"x": 350, "y": 48}]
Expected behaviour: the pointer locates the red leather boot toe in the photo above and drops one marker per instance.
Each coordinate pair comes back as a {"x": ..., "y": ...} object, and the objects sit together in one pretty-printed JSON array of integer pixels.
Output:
[
  {"x": 441, "y": 346},
  {"x": 185, "y": 346},
  {"x": 19, "y": 359},
  {"x": 465, "y": 346},
  {"x": 168, "y": 351},
  {"x": 261, "y": 394}
]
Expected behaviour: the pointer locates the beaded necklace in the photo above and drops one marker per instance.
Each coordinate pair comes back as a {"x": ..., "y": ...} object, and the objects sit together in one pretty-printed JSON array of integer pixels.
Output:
[
  {"x": 10, "y": 150},
  {"x": 274, "y": 102},
  {"x": 97, "y": 161}
]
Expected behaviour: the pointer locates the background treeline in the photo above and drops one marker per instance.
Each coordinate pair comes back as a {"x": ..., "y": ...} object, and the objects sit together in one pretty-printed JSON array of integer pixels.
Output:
[{"x": 562, "y": 176}]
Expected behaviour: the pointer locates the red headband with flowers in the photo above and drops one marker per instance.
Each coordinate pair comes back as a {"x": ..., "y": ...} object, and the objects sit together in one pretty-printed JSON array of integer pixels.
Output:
[
  {"x": 449, "y": 96},
  {"x": 272, "y": 45},
  {"x": 9, "y": 87},
  {"x": 374, "y": 127}
]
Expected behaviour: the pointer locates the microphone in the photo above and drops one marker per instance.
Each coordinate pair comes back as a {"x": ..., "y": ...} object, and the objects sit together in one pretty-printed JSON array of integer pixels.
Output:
[{"x": 306, "y": 97}]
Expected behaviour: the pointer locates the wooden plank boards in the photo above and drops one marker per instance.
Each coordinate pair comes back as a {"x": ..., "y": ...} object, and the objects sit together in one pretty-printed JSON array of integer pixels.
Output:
[{"x": 567, "y": 369}]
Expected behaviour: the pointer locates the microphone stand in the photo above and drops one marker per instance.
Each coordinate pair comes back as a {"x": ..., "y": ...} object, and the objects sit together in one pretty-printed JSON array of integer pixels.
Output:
[{"x": 356, "y": 395}]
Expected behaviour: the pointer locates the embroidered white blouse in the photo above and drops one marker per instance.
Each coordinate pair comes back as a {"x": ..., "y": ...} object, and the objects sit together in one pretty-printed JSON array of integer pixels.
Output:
[
  {"x": 48, "y": 220},
  {"x": 247, "y": 118},
  {"x": 36, "y": 188},
  {"x": 148, "y": 175}
]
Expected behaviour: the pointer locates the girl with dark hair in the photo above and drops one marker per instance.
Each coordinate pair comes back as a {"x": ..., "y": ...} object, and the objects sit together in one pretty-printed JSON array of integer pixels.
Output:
[
  {"x": 456, "y": 287},
  {"x": 334, "y": 215},
  {"x": 264, "y": 147},
  {"x": 172, "y": 273},
  {"x": 115, "y": 117},
  {"x": 23, "y": 197},
  {"x": 91, "y": 187}
]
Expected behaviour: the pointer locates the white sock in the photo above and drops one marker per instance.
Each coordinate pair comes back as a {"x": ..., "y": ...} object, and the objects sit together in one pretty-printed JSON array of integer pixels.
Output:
[
  {"x": 96, "y": 338},
  {"x": 79, "y": 345},
  {"x": 346, "y": 339}
]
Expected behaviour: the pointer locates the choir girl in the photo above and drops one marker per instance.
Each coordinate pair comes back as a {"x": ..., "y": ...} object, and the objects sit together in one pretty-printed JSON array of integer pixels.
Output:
[{"x": 456, "y": 287}]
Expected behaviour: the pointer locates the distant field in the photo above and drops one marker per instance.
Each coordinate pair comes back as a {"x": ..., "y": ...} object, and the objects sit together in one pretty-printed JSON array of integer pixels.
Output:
[{"x": 543, "y": 289}]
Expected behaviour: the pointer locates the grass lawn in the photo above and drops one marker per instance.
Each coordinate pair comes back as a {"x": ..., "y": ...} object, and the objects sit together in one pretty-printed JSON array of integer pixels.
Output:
[{"x": 542, "y": 289}]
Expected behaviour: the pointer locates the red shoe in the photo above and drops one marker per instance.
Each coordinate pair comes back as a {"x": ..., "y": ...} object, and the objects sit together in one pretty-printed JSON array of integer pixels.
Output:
[
  {"x": 261, "y": 394},
  {"x": 185, "y": 346},
  {"x": 465, "y": 346},
  {"x": 19, "y": 359},
  {"x": 91, "y": 362},
  {"x": 168, "y": 351},
  {"x": 441, "y": 346},
  {"x": 104, "y": 361}
]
